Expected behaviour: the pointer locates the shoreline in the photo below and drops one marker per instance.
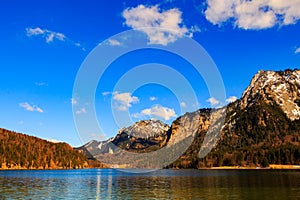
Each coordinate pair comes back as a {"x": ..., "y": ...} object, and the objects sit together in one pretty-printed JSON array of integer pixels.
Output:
[{"x": 271, "y": 167}]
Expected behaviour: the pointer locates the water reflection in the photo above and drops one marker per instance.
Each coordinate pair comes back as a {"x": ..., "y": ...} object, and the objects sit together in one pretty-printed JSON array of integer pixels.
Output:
[
  {"x": 98, "y": 187},
  {"x": 163, "y": 184}
]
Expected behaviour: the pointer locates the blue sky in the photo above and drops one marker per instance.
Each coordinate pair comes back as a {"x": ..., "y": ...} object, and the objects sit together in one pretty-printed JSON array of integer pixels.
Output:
[{"x": 43, "y": 45}]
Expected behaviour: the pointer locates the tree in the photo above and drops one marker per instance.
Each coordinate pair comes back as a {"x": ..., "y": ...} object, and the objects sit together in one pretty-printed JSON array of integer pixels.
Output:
[{"x": 265, "y": 163}]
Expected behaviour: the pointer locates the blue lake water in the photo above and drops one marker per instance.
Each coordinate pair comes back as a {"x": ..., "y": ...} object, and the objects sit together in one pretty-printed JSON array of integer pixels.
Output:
[{"x": 161, "y": 184}]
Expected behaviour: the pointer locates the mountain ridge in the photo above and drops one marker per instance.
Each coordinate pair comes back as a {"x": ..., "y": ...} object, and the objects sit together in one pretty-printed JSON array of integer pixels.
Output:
[
  {"x": 280, "y": 86},
  {"x": 258, "y": 128}
]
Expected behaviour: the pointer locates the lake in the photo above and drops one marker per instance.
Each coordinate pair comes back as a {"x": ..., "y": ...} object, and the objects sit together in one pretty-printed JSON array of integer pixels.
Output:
[{"x": 161, "y": 184}]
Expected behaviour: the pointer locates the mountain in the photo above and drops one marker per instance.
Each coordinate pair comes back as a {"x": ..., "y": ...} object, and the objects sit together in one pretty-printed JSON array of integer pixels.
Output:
[
  {"x": 260, "y": 128},
  {"x": 143, "y": 136},
  {"x": 268, "y": 118},
  {"x": 20, "y": 151},
  {"x": 281, "y": 88}
]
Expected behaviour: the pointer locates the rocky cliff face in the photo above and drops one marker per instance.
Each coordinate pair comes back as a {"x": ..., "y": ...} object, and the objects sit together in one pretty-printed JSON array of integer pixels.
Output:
[
  {"x": 263, "y": 125},
  {"x": 145, "y": 135},
  {"x": 281, "y": 88},
  {"x": 188, "y": 124}
]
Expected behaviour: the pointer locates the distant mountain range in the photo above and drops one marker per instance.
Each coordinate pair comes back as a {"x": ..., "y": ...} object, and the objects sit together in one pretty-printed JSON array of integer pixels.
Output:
[{"x": 260, "y": 128}]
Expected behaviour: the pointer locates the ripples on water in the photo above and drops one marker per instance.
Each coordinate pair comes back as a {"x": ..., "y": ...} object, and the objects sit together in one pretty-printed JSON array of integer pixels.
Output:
[{"x": 162, "y": 184}]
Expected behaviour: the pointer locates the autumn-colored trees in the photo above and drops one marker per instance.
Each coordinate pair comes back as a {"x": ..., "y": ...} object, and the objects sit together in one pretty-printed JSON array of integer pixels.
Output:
[{"x": 27, "y": 152}]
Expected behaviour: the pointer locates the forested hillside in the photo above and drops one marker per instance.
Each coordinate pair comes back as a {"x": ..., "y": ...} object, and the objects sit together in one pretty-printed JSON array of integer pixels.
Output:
[{"x": 20, "y": 151}]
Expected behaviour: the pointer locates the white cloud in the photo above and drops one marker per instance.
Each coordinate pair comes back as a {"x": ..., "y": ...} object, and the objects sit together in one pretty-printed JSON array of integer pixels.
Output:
[
  {"x": 231, "y": 99},
  {"x": 124, "y": 100},
  {"x": 106, "y": 93},
  {"x": 182, "y": 104},
  {"x": 81, "y": 111},
  {"x": 41, "y": 84},
  {"x": 152, "y": 98},
  {"x": 77, "y": 44},
  {"x": 194, "y": 29},
  {"x": 159, "y": 111},
  {"x": 250, "y": 15},
  {"x": 114, "y": 42},
  {"x": 74, "y": 101},
  {"x": 34, "y": 31},
  {"x": 39, "y": 110},
  {"x": 219, "y": 11},
  {"x": 50, "y": 36},
  {"x": 297, "y": 50},
  {"x": 137, "y": 115},
  {"x": 290, "y": 10},
  {"x": 32, "y": 108},
  {"x": 162, "y": 27},
  {"x": 255, "y": 14},
  {"x": 213, "y": 101},
  {"x": 47, "y": 34}
]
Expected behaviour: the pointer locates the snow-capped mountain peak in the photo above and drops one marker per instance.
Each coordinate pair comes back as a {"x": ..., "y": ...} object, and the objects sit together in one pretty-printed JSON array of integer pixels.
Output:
[{"x": 282, "y": 88}]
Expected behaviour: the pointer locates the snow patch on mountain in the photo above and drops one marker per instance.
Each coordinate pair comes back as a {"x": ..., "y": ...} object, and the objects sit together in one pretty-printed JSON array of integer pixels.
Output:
[{"x": 282, "y": 88}]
